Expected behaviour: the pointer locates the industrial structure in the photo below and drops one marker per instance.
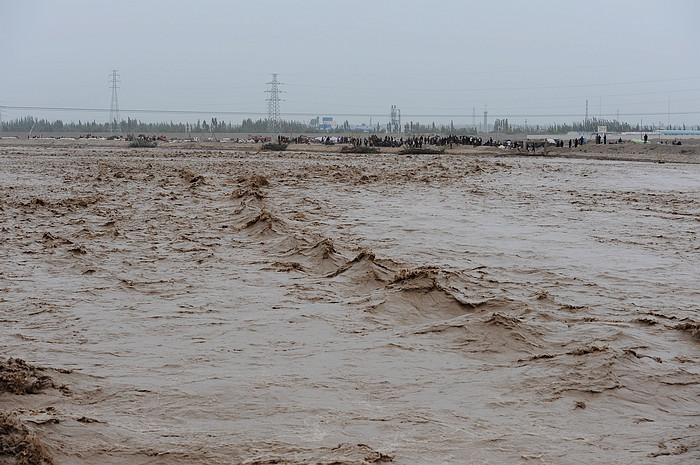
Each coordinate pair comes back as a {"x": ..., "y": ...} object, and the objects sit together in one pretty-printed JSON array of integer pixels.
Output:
[
  {"x": 114, "y": 121},
  {"x": 395, "y": 124}
]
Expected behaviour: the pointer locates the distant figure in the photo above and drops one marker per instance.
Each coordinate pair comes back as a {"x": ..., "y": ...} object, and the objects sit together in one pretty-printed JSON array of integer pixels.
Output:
[
  {"x": 646, "y": 138},
  {"x": 569, "y": 143},
  {"x": 605, "y": 139}
]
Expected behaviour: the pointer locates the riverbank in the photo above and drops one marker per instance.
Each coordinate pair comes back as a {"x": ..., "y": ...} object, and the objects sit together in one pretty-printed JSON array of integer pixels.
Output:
[{"x": 655, "y": 152}]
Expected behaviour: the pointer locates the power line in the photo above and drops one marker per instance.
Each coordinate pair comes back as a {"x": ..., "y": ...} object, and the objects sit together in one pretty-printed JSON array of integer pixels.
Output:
[
  {"x": 132, "y": 110},
  {"x": 489, "y": 72},
  {"x": 485, "y": 89},
  {"x": 353, "y": 114},
  {"x": 575, "y": 98}
]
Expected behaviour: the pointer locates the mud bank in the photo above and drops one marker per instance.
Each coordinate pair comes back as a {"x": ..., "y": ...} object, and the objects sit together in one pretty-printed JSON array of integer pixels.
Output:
[{"x": 653, "y": 152}]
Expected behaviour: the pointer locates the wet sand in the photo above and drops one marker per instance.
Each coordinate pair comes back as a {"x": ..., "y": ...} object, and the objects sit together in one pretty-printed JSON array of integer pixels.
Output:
[
  {"x": 178, "y": 305},
  {"x": 657, "y": 151}
]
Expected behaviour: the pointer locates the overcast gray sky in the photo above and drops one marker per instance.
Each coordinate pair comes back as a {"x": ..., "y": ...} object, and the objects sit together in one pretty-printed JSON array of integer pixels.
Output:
[{"x": 437, "y": 60}]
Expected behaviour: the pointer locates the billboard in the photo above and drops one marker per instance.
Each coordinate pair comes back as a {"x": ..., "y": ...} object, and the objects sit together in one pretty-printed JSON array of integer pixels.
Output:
[{"x": 326, "y": 123}]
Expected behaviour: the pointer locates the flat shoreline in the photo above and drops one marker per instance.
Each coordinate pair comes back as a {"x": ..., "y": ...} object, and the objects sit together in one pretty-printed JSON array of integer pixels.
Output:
[{"x": 653, "y": 152}]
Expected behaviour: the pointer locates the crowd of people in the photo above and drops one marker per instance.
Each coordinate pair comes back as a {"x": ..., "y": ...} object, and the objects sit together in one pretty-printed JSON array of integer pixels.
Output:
[
  {"x": 413, "y": 142},
  {"x": 435, "y": 140}
]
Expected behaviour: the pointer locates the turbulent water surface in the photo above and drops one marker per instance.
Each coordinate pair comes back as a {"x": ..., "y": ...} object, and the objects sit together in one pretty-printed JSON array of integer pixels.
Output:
[{"x": 232, "y": 307}]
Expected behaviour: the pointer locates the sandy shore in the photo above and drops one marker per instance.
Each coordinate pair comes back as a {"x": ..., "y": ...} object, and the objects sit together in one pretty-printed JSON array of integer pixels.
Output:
[
  {"x": 193, "y": 304},
  {"x": 654, "y": 152}
]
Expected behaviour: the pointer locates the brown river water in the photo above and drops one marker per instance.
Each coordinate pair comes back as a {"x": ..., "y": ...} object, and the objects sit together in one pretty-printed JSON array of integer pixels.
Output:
[{"x": 258, "y": 308}]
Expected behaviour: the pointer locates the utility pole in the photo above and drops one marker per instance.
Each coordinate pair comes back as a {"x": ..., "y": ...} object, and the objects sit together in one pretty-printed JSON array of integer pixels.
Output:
[
  {"x": 274, "y": 125},
  {"x": 114, "y": 122}
]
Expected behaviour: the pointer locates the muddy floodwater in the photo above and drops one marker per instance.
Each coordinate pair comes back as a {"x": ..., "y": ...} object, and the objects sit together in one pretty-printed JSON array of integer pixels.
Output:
[{"x": 238, "y": 307}]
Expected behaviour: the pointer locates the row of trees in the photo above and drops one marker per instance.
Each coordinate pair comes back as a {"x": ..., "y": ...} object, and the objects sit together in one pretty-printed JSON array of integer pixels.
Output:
[
  {"x": 40, "y": 126},
  {"x": 29, "y": 123},
  {"x": 503, "y": 126}
]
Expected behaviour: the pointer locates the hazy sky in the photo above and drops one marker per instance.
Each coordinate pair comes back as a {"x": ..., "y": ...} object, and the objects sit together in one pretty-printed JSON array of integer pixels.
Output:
[{"x": 437, "y": 60}]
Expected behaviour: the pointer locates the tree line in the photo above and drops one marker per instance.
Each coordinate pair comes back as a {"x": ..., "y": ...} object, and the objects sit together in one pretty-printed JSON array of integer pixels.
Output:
[
  {"x": 591, "y": 125},
  {"x": 133, "y": 126},
  {"x": 248, "y": 125}
]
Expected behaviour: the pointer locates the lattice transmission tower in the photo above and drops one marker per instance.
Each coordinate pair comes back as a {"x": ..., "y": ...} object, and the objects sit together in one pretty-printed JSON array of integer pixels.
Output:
[
  {"x": 114, "y": 121},
  {"x": 274, "y": 124}
]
